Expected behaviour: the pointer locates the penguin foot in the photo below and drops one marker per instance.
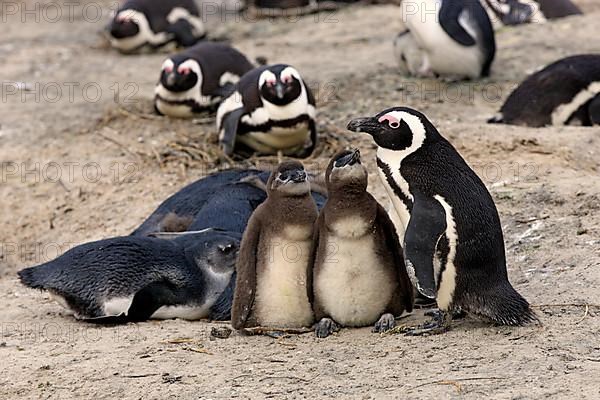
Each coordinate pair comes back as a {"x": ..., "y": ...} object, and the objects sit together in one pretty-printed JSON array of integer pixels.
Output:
[
  {"x": 439, "y": 324},
  {"x": 385, "y": 323},
  {"x": 325, "y": 327}
]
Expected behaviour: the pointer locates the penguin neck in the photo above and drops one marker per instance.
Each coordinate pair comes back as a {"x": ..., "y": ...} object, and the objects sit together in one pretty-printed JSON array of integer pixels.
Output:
[
  {"x": 292, "y": 209},
  {"x": 350, "y": 200}
]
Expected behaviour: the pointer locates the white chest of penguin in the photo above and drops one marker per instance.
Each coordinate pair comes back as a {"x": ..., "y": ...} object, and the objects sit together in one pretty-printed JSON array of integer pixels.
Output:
[
  {"x": 277, "y": 137},
  {"x": 281, "y": 296},
  {"x": 353, "y": 286}
]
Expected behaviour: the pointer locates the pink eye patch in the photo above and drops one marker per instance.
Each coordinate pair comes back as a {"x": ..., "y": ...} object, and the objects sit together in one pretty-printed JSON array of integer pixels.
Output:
[
  {"x": 393, "y": 122},
  {"x": 183, "y": 70}
]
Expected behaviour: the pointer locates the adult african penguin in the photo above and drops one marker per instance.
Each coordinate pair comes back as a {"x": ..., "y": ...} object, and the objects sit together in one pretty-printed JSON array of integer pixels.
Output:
[
  {"x": 272, "y": 285},
  {"x": 198, "y": 78},
  {"x": 140, "y": 25},
  {"x": 270, "y": 110},
  {"x": 456, "y": 37},
  {"x": 359, "y": 276},
  {"x": 446, "y": 220},
  {"x": 514, "y": 12},
  {"x": 566, "y": 92},
  {"x": 136, "y": 278}
]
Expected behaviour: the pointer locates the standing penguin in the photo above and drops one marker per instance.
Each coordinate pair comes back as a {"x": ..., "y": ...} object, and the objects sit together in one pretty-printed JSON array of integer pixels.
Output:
[
  {"x": 136, "y": 278},
  {"x": 149, "y": 25},
  {"x": 514, "y": 12},
  {"x": 198, "y": 78},
  {"x": 271, "y": 109},
  {"x": 446, "y": 220},
  {"x": 273, "y": 272},
  {"x": 565, "y": 92},
  {"x": 359, "y": 277},
  {"x": 456, "y": 37}
]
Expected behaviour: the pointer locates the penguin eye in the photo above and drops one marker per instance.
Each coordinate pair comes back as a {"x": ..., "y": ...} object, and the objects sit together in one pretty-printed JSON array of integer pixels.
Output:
[
  {"x": 270, "y": 83},
  {"x": 225, "y": 249},
  {"x": 394, "y": 124},
  {"x": 286, "y": 79}
]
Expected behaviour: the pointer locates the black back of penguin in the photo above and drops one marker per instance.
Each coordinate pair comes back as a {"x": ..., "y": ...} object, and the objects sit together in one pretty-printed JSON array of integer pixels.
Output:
[
  {"x": 553, "y": 95},
  {"x": 150, "y": 272},
  {"x": 157, "y": 11}
]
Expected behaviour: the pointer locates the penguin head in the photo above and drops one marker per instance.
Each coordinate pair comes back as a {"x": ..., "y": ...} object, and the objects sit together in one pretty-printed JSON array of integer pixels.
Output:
[
  {"x": 180, "y": 74},
  {"x": 217, "y": 251},
  {"x": 289, "y": 179},
  {"x": 124, "y": 24},
  {"x": 345, "y": 171},
  {"x": 397, "y": 129},
  {"x": 280, "y": 84},
  {"x": 513, "y": 12}
]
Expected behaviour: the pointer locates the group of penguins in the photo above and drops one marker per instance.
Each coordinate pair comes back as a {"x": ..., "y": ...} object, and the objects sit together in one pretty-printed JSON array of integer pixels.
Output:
[{"x": 287, "y": 249}]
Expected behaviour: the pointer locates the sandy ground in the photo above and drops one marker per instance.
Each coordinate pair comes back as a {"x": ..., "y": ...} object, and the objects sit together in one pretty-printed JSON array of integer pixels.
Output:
[{"x": 91, "y": 164}]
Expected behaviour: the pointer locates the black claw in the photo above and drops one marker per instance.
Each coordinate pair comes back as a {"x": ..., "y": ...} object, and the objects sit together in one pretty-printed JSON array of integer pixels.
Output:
[
  {"x": 439, "y": 324},
  {"x": 326, "y": 327}
]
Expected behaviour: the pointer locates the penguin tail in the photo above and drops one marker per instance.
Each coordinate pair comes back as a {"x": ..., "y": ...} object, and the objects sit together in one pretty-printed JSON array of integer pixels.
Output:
[
  {"x": 34, "y": 277},
  {"x": 506, "y": 306}
]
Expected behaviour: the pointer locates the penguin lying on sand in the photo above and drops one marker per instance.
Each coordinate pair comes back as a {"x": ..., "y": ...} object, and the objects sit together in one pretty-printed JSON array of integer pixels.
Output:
[
  {"x": 133, "y": 278},
  {"x": 271, "y": 109},
  {"x": 566, "y": 92},
  {"x": 140, "y": 25},
  {"x": 446, "y": 220},
  {"x": 359, "y": 277},
  {"x": 514, "y": 12},
  {"x": 272, "y": 285},
  {"x": 455, "y": 36},
  {"x": 198, "y": 78},
  {"x": 224, "y": 200}
]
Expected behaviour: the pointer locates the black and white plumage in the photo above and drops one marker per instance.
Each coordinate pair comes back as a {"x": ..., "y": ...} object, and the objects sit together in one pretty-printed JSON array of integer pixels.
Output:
[
  {"x": 136, "y": 278},
  {"x": 198, "y": 78},
  {"x": 456, "y": 37},
  {"x": 147, "y": 25},
  {"x": 271, "y": 109},
  {"x": 565, "y": 92},
  {"x": 445, "y": 218},
  {"x": 515, "y": 12}
]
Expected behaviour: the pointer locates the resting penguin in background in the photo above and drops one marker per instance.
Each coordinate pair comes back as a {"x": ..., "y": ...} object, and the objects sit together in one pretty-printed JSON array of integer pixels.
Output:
[
  {"x": 359, "y": 277},
  {"x": 514, "y": 12},
  {"x": 271, "y": 109},
  {"x": 272, "y": 285},
  {"x": 133, "y": 278},
  {"x": 446, "y": 220},
  {"x": 224, "y": 200},
  {"x": 565, "y": 92},
  {"x": 198, "y": 78},
  {"x": 140, "y": 25},
  {"x": 456, "y": 37}
]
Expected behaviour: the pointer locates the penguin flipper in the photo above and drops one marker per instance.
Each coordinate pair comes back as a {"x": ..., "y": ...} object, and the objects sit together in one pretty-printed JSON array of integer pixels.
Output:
[
  {"x": 108, "y": 319},
  {"x": 449, "y": 21},
  {"x": 245, "y": 283},
  {"x": 594, "y": 111},
  {"x": 229, "y": 128},
  {"x": 183, "y": 32},
  {"x": 393, "y": 244},
  {"x": 427, "y": 223},
  {"x": 149, "y": 299}
]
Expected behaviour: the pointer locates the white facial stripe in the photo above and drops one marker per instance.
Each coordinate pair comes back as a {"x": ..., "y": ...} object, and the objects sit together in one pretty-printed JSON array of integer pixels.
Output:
[
  {"x": 191, "y": 64},
  {"x": 168, "y": 64},
  {"x": 288, "y": 73},
  {"x": 181, "y": 13},
  {"x": 228, "y": 77},
  {"x": 266, "y": 76},
  {"x": 231, "y": 103},
  {"x": 145, "y": 34},
  {"x": 448, "y": 279}
]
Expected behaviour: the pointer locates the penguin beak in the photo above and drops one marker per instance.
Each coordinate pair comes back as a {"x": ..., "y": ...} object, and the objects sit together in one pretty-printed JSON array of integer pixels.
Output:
[
  {"x": 279, "y": 90},
  {"x": 368, "y": 125},
  {"x": 298, "y": 176},
  {"x": 171, "y": 79},
  {"x": 349, "y": 159}
]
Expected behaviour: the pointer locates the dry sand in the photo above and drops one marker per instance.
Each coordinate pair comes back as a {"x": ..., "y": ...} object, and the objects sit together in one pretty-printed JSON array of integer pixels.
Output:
[{"x": 111, "y": 160}]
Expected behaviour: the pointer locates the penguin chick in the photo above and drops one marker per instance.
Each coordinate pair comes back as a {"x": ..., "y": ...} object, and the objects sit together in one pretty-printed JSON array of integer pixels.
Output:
[
  {"x": 271, "y": 109},
  {"x": 272, "y": 285},
  {"x": 446, "y": 220},
  {"x": 359, "y": 274},
  {"x": 198, "y": 78},
  {"x": 148, "y": 25},
  {"x": 134, "y": 279}
]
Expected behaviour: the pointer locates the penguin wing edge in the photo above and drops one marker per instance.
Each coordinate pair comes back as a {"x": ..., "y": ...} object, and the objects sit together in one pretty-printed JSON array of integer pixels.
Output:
[
  {"x": 449, "y": 21},
  {"x": 393, "y": 243},
  {"x": 427, "y": 223},
  {"x": 245, "y": 282}
]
